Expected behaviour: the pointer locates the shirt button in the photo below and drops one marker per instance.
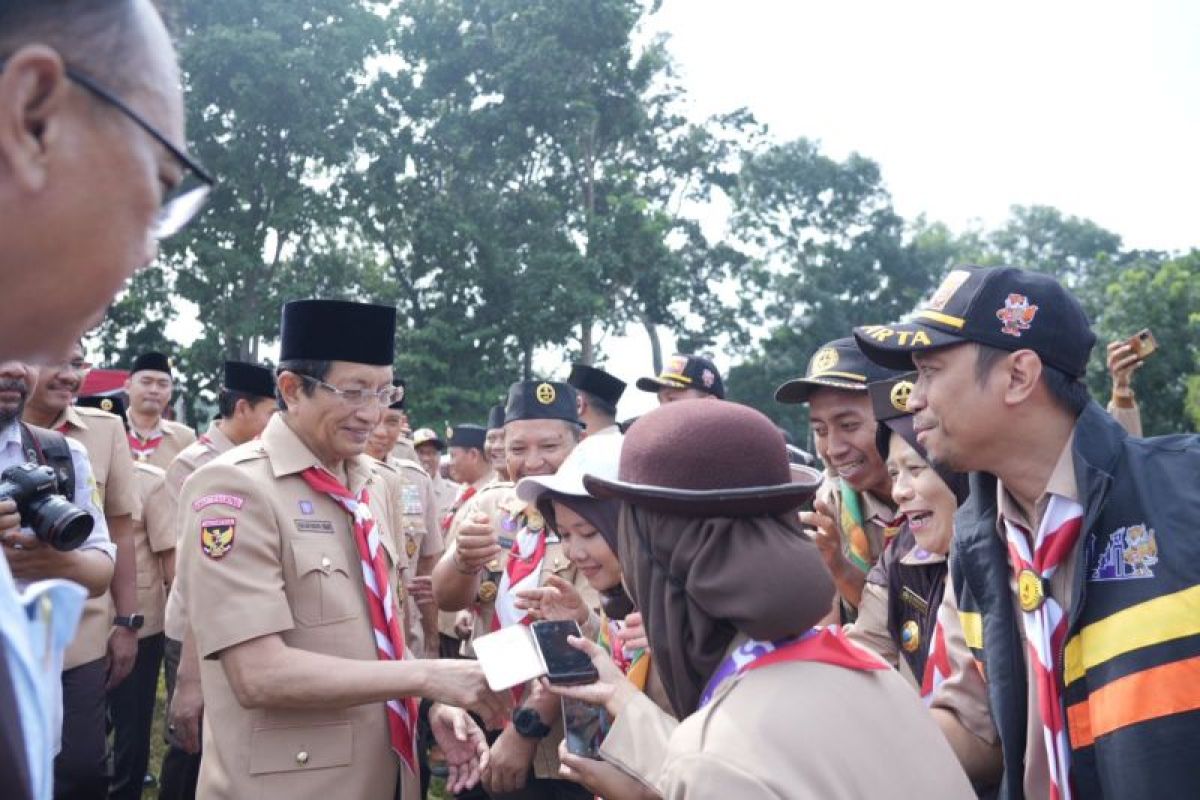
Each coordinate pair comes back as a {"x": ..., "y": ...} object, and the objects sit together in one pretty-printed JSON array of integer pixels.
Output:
[{"x": 302, "y": 757}]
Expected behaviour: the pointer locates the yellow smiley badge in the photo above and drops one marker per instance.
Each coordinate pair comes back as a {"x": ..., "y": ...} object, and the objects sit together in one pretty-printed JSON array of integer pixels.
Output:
[
  {"x": 106, "y": 404},
  {"x": 487, "y": 591},
  {"x": 900, "y": 394},
  {"x": 545, "y": 394},
  {"x": 910, "y": 636}
]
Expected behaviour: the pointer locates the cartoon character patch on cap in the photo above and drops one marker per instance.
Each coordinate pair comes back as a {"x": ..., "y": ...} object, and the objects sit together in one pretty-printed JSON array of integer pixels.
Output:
[
  {"x": 825, "y": 360},
  {"x": 1017, "y": 314},
  {"x": 708, "y": 378}
]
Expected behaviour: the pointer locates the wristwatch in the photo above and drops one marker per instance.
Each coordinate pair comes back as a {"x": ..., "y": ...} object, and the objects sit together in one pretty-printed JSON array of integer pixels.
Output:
[
  {"x": 527, "y": 723},
  {"x": 134, "y": 621}
]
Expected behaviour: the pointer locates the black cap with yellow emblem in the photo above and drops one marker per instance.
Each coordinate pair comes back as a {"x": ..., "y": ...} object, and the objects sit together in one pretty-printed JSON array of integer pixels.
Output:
[
  {"x": 541, "y": 400},
  {"x": 110, "y": 403},
  {"x": 889, "y": 401},
  {"x": 686, "y": 372},
  {"x": 836, "y": 365},
  {"x": 1003, "y": 307}
]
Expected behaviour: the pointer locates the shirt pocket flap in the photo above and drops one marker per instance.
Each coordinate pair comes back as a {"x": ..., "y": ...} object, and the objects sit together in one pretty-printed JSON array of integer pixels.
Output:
[
  {"x": 319, "y": 556},
  {"x": 301, "y": 747}
]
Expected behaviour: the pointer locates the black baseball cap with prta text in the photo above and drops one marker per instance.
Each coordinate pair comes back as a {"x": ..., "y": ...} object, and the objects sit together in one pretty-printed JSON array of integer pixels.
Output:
[{"x": 1003, "y": 307}]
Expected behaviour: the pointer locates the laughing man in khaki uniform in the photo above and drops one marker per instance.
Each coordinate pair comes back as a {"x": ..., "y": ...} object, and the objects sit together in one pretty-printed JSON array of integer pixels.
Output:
[
  {"x": 292, "y": 577},
  {"x": 503, "y": 546}
]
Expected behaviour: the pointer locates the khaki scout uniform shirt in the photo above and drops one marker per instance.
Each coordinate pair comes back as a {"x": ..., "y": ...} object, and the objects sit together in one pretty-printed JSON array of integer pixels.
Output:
[
  {"x": 281, "y": 559},
  {"x": 420, "y": 537},
  {"x": 194, "y": 456},
  {"x": 445, "y": 492},
  {"x": 964, "y": 693},
  {"x": 870, "y": 629},
  {"x": 404, "y": 450},
  {"x": 175, "y": 437},
  {"x": 497, "y": 504},
  {"x": 153, "y": 534},
  {"x": 798, "y": 729},
  {"x": 103, "y": 436}
]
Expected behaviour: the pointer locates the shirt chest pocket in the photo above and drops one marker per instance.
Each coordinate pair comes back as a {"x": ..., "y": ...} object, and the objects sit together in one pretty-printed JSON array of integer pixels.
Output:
[{"x": 328, "y": 589}]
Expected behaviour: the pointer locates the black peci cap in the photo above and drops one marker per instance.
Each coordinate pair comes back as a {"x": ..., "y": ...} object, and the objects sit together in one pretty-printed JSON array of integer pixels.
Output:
[
  {"x": 495, "y": 418},
  {"x": 468, "y": 435},
  {"x": 597, "y": 382},
  {"x": 252, "y": 379},
  {"x": 541, "y": 400},
  {"x": 151, "y": 361},
  {"x": 337, "y": 330},
  {"x": 1002, "y": 307},
  {"x": 686, "y": 372},
  {"x": 837, "y": 365}
]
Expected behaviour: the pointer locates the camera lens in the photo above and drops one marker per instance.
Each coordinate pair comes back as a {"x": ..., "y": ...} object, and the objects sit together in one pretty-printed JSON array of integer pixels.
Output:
[{"x": 60, "y": 523}]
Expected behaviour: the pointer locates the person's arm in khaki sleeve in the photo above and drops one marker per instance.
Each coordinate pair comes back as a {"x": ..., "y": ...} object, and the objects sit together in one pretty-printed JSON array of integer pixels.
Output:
[
  {"x": 960, "y": 705},
  {"x": 456, "y": 576},
  {"x": 121, "y": 500},
  {"x": 157, "y": 517},
  {"x": 1123, "y": 407},
  {"x": 432, "y": 549},
  {"x": 871, "y": 628},
  {"x": 262, "y": 670}
]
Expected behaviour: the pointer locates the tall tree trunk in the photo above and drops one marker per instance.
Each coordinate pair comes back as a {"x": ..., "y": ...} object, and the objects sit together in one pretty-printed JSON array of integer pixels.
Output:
[
  {"x": 587, "y": 345},
  {"x": 527, "y": 364},
  {"x": 655, "y": 343}
]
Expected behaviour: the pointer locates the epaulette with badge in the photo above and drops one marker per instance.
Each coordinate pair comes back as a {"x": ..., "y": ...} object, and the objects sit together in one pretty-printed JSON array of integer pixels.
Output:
[{"x": 145, "y": 466}]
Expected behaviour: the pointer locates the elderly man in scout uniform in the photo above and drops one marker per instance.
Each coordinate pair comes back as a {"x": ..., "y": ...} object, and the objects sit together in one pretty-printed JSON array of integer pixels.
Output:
[
  {"x": 292, "y": 580},
  {"x": 1070, "y": 618},
  {"x": 152, "y": 438},
  {"x": 245, "y": 403},
  {"x": 502, "y": 546},
  {"x": 855, "y": 512},
  {"x": 598, "y": 394},
  {"x": 467, "y": 451},
  {"x": 102, "y": 434},
  {"x": 493, "y": 446},
  {"x": 685, "y": 377},
  {"x": 422, "y": 535}
]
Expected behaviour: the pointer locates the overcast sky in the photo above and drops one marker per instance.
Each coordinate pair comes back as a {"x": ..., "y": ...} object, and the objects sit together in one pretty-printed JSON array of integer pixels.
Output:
[{"x": 968, "y": 107}]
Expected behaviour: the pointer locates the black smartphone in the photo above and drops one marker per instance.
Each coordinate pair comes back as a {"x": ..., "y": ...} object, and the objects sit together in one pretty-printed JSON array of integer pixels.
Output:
[
  {"x": 584, "y": 727},
  {"x": 564, "y": 664}
]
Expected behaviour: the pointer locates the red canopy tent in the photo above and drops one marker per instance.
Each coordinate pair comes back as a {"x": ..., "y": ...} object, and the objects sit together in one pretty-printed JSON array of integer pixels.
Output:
[{"x": 104, "y": 382}]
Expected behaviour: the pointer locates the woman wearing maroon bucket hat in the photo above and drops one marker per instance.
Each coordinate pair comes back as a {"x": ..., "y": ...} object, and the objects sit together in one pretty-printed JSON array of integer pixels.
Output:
[{"x": 730, "y": 590}]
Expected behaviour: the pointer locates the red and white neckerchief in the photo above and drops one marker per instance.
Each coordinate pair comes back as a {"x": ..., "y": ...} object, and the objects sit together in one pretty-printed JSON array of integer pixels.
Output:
[
  {"x": 1045, "y": 622},
  {"x": 389, "y": 636},
  {"x": 522, "y": 571},
  {"x": 143, "y": 448},
  {"x": 466, "y": 494},
  {"x": 937, "y": 662}
]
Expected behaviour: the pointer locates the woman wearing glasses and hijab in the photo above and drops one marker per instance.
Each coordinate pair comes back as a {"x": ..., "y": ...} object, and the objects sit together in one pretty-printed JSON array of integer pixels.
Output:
[{"x": 731, "y": 589}]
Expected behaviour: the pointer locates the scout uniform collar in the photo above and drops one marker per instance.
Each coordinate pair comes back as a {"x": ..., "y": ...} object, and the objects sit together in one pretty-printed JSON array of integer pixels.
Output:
[
  {"x": 290, "y": 456},
  {"x": 839, "y": 364},
  {"x": 686, "y": 372},
  {"x": 220, "y": 442},
  {"x": 69, "y": 418},
  {"x": 1003, "y": 307},
  {"x": 1061, "y": 483}
]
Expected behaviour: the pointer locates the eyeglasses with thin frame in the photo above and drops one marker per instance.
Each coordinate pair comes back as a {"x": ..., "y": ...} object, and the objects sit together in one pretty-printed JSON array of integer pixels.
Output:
[
  {"x": 359, "y": 397},
  {"x": 184, "y": 201}
]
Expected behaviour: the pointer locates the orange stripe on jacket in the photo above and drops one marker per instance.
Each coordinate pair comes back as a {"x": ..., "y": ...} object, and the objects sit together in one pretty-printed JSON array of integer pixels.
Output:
[{"x": 1156, "y": 692}]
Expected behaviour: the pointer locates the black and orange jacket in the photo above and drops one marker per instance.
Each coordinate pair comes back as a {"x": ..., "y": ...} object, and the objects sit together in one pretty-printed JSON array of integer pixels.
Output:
[{"x": 1131, "y": 664}]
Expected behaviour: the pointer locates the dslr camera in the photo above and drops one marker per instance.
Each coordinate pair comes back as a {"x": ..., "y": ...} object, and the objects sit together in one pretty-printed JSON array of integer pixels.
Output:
[{"x": 53, "y": 518}]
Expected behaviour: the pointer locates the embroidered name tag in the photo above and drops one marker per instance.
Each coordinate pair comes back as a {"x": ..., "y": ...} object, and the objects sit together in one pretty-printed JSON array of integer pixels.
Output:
[
  {"x": 313, "y": 525},
  {"x": 233, "y": 501}
]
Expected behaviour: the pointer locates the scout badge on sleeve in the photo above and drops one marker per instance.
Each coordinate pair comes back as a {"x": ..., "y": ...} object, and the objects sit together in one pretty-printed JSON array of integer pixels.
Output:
[{"x": 216, "y": 536}]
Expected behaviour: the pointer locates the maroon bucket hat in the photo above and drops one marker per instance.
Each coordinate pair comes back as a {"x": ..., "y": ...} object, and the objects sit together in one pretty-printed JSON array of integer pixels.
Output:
[{"x": 701, "y": 459}]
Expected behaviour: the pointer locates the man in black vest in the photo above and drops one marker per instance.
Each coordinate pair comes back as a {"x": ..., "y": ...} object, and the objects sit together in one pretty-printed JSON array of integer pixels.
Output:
[{"x": 1070, "y": 627}]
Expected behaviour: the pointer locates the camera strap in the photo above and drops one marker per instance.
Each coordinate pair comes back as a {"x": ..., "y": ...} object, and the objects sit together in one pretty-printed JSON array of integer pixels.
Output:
[{"x": 51, "y": 449}]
